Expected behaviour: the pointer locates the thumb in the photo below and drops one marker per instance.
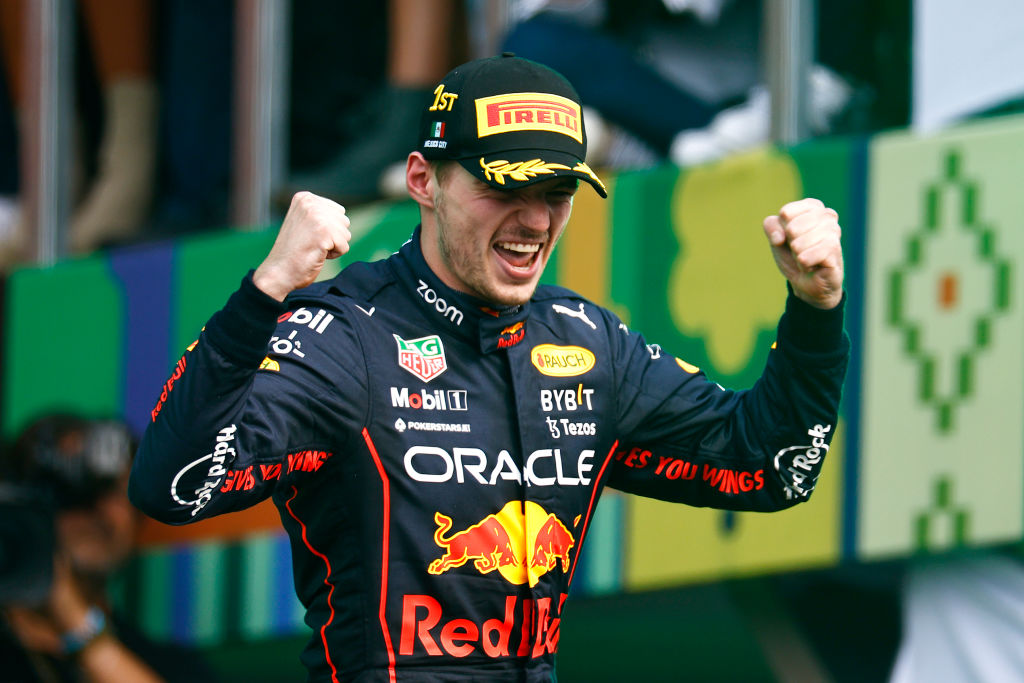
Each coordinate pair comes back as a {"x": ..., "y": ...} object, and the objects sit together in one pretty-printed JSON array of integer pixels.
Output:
[{"x": 774, "y": 231}]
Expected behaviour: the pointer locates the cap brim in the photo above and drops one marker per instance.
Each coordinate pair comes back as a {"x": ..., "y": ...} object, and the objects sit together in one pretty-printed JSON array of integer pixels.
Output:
[{"x": 522, "y": 167}]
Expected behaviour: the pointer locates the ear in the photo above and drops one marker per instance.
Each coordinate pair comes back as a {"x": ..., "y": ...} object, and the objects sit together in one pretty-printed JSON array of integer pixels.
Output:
[{"x": 419, "y": 179}]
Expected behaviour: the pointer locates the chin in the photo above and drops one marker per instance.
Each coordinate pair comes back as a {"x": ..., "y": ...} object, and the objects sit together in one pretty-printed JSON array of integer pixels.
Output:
[
  {"x": 513, "y": 295},
  {"x": 98, "y": 557}
]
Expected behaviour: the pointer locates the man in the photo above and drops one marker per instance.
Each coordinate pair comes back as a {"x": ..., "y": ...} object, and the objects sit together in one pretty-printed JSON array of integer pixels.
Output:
[
  {"x": 436, "y": 429},
  {"x": 72, "y": 633}
]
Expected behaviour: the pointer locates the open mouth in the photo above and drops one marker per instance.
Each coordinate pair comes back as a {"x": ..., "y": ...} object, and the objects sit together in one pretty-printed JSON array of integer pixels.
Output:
[{"x": 517, "y": 254}]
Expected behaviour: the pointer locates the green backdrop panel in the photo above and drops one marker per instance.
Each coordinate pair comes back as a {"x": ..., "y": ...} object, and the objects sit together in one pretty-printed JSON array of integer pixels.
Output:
[
  {"x": 206, "y": 271},
  {"x": 64, "y": 342}
]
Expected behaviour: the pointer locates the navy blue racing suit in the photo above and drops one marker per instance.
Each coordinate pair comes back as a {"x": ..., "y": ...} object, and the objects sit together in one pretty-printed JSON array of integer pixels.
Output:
[{"x": 436, "y": 462}]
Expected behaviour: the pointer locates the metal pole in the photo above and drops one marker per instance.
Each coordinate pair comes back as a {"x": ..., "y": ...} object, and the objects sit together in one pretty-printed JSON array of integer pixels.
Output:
[
  {"x": 260, "y": 118},
  {"x": 489, "y": 21},
  {"x": 45, "y": 128},
  {"x": 788, "y": 27}
]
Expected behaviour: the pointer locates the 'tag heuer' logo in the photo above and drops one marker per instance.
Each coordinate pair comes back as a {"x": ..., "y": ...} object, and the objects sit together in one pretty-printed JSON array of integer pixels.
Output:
[
  {"x": 521, "y": 111},
  {"x": 523, "y": 541},
  {"x": 422, "y": 357},
  {"x": 562, "y": 361}
]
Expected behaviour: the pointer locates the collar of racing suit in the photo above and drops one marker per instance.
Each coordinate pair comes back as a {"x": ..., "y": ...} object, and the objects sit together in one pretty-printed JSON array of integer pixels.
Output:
[{"x": 457, "y": 313}]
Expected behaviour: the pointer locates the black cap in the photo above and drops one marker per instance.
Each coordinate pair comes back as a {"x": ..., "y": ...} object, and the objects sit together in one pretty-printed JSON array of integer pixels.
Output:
[
  {"x": 76, "y": 458},
  {"x": 509, "y": 121}
]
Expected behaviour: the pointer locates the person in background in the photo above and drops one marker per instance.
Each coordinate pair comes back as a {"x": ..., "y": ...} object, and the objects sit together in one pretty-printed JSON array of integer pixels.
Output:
[
  {"x": 424, "y": 40},
  {"x": 115, "y": 199},
  {"x": 74, "y": 633},
  {"x": 689, "y": 75}
]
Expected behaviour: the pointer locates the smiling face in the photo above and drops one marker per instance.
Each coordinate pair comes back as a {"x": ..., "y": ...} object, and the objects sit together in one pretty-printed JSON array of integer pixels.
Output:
[{"x": 492, "y": 243}]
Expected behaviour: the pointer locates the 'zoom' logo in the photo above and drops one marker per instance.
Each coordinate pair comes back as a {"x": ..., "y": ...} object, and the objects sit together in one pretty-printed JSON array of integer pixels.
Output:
[{"x": 440, "y": 305}]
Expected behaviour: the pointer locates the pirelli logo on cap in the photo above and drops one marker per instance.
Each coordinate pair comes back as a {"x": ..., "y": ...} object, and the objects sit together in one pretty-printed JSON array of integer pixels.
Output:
[{"x": 515, "y": 112}]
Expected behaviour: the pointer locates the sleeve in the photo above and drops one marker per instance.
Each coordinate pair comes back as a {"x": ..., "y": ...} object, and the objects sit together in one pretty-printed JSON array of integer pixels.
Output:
[
  {"x": 262, "y": 387},
  {"x": 687, "y": 439}
]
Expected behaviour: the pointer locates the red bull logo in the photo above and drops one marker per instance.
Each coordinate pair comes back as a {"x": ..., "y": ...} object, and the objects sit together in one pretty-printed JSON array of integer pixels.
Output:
[
  {"x": 179, "y": 369},
  {"x": 527, "y": 628},
  {"x": 522, "y": 541},
  {"x": 511, "y": 335},
  {"x": 552, "y": 545}
]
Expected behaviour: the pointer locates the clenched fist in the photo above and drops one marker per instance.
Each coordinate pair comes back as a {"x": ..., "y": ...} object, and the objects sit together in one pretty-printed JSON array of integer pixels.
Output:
[
  {"x": 314, "y": 229},
  {"x": 805, "y": 243}
]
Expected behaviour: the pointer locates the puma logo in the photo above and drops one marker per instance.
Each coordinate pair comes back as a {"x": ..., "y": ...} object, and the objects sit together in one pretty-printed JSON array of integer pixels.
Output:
[{"x": 558, "y": 308}]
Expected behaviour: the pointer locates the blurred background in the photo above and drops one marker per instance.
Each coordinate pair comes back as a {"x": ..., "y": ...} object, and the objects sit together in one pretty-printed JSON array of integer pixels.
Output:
[{"x": 149, "y": 148}]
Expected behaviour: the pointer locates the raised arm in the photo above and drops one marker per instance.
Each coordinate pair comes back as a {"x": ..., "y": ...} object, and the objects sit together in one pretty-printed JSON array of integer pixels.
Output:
[
  {"x": 805, "y": 242},
  {"x": 219, "y": 417},
  {"x": 687, "y": 439}
]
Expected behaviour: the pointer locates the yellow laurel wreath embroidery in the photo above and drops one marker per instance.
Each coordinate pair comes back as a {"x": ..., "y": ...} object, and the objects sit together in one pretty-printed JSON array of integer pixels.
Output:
[
  {"x": 520, "y": 171},
  {"x": 583, "y": 168}
]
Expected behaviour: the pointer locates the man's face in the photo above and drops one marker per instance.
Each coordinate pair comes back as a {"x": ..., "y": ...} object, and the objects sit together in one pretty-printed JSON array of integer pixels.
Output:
[
  {"x": 99, "y": 538},
  {"x": 494, "y": 244}
]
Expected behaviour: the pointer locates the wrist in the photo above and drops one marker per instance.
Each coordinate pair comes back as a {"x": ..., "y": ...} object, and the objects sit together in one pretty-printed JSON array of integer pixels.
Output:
[
  {"x": 809, "y": 327},
  {"x": 269, "y": 284},
  {"x": 90, "y": 628},
  {"x": 824, "y": 303}
]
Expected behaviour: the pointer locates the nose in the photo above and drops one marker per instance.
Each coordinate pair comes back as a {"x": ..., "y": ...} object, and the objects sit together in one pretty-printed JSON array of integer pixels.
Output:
[{"x": 534, "y": 213}]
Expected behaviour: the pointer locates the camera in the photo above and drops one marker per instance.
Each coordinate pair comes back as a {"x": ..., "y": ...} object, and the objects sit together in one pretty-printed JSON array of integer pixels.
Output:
[
  {"x": 59, "y": 463},
  {"x": 26, "y": 544}
]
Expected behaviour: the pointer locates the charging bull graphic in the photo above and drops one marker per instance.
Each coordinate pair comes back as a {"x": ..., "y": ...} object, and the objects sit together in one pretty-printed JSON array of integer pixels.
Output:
[
  {"x": 552, "y": 544},
  {"x": 487, "y": 543},
  {"x": 522, "y": 541}
]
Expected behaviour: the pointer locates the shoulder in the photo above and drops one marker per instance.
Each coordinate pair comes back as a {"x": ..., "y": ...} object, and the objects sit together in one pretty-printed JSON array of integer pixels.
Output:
[
  {"x": 560, "y": 306},
  {"x": 553, "y": 299},
  {"x": 357, "y": 282},
  {"x": 326, "y": 311},
  {"x": 554, "y": 292}
]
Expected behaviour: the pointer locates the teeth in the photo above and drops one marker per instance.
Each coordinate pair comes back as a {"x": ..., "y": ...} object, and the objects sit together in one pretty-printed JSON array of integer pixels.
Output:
[{"x": 521, "y": 248}]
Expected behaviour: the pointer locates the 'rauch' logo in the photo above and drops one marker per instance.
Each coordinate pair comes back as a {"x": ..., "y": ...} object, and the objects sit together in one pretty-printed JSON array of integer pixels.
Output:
[
  {"x": 422, "y": 357},
  {"x": 561, "y": 361}
]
